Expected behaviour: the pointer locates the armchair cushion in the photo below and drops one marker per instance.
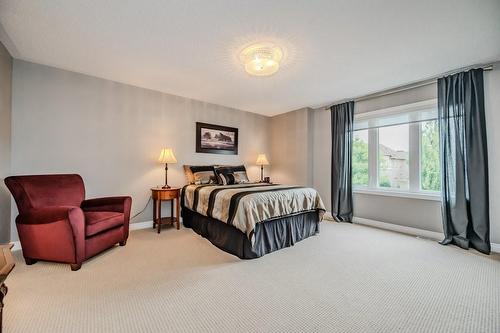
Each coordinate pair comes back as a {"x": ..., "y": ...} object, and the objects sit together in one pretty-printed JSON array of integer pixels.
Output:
[
  {"x": 110, "y": 204},
  {"x": 98, "y": 221}
]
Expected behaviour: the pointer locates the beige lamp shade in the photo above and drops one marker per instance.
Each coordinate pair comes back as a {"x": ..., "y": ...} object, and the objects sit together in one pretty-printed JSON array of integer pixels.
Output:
[
  {"x": 262, "y": 160},
  {"x": 167, "y": 156}
]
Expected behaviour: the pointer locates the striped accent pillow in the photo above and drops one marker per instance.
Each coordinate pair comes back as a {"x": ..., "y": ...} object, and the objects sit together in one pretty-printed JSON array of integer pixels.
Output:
[
  {"x": 227, "y": 179},
  {"x": 239, "y": 173}
]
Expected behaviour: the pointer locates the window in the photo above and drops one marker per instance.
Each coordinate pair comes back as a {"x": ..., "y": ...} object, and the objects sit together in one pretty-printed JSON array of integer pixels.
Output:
[
  {"x": 360, "y": 158},
  {"x": 396, "y": 150},
  {"x": 393, "y": 157}
]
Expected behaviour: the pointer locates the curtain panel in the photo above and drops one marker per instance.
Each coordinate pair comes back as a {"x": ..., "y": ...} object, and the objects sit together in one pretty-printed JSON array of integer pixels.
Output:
[
  {"x": 342, "y": 116},
  {"x": 464, "y": 161}
]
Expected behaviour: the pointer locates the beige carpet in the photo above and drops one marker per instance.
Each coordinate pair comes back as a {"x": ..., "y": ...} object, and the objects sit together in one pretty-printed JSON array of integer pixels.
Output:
[{"x": 350, "y": 278}]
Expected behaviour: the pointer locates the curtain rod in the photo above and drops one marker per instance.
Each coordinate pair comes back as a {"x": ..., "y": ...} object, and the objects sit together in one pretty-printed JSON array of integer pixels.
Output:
[{"x": 407, "y": 86}]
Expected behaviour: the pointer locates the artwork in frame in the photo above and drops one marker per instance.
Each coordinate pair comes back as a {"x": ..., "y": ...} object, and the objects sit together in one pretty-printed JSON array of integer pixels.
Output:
[{"x": 216, "y": 139}]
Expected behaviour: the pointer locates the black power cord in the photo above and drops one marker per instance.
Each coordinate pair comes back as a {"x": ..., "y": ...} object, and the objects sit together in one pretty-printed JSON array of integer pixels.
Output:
[{"x": 142, "y": 211}]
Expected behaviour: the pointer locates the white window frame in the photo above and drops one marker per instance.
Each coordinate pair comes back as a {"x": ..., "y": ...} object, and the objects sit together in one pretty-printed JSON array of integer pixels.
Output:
[{"x": 415, "y": 138}]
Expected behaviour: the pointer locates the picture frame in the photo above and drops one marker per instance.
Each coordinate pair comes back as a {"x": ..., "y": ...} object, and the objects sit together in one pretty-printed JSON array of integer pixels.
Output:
[{"x": 216, "y": 139}]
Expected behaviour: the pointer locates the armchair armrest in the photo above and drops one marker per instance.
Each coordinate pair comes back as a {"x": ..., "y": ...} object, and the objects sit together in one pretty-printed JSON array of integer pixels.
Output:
[
  {"x": 111, "y": 204},
  {"x": 108, "y": 204},
  {"x": 50, "y": 214}
]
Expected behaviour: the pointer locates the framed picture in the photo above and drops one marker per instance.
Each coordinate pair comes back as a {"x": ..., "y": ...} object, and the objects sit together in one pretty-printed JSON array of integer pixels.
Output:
[{"x": 215, "y": 139}]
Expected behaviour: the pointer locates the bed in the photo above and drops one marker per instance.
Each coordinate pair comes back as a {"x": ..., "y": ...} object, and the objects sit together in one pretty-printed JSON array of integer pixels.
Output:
[{"x": 252, "y": 219}]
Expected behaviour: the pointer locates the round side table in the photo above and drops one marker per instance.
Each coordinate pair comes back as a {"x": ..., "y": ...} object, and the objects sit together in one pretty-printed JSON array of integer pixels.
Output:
[{"x": 165, "y": 194}]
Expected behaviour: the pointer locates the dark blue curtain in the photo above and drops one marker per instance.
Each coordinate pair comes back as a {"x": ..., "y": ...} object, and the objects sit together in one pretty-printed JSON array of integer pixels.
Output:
[
  {"x": 341, "y": 177},
  {"x": 464, "y": 161}
]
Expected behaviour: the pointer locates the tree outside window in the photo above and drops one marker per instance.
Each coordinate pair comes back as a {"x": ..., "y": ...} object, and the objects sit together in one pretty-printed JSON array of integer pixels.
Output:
[
  {"x": 430, "y": 177},
  {"x": 360, "y": 158}
]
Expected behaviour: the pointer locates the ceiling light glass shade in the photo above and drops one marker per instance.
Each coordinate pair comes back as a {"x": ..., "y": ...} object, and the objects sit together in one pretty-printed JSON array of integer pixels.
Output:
[{"x": 261, "y": 59}]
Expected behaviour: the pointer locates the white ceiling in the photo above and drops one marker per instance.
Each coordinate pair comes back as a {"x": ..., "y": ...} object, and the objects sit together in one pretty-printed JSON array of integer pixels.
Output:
[{"x": 334, "y": 49}]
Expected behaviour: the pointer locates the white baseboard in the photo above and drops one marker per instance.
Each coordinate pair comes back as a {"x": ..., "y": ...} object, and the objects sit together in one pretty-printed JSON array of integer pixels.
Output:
[
  {"x": 399, "y": 228},
  {"x": 133, "y": 226},
  {"x": 17, "y": 246},
  {"x": 141, "y": 225},
  {"x": 495, "y": 247},
  {"x": 409, "y": 230},
  {"x": 328, "y": 216}
]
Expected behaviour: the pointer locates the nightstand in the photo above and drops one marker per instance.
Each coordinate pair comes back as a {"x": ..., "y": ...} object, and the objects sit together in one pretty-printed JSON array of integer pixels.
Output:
[{"x": 165, "y": 194}]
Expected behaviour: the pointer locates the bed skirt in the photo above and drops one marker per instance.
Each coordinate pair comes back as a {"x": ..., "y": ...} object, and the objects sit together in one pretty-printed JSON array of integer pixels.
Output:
[{"x": 270, "y": 235}]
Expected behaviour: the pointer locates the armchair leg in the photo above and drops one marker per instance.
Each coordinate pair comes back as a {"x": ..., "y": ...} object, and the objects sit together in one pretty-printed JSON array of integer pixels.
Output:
[
  {"x": 30, "y": 261},
  {"x": 123, "y": 243},
  {"x": 75, "y": 267}
]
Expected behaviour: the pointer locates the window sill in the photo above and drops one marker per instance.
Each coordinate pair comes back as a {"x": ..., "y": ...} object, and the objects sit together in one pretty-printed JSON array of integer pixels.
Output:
[{"x": 399, "y": 194}]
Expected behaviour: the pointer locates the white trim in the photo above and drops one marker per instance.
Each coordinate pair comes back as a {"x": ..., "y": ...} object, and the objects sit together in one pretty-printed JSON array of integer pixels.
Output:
[
  {"x": 400, "y": 194},
  {"x": 372, "y": 157},
  {"x": 414, "y": 153},
  {"x": 414, "y": 150},
  {"x": 132, "y": 226},
  {"x": 399, "y": 228},
  {"x": 141, "y": 225},
  {"x": 328, "y": 216},
  {"x": 17, "y": 246},
  {"x": 495, "y": 247}
]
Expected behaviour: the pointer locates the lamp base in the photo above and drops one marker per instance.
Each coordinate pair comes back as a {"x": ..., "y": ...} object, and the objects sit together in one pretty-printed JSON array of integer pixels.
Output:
[{"x": 165, "y": 187}]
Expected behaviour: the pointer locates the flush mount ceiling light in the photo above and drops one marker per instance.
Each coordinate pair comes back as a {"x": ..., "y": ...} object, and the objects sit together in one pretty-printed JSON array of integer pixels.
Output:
[{"x": 261, "y": 59}]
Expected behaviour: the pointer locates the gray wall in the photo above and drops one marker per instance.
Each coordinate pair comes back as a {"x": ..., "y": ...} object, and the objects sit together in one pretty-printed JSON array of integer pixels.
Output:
[
  {"x": 54, "y": 129},
  {"x": 292, "y": 143},
  {"x": 5, "y": 136},
  {"x": 417, "y": 213},
  {"x": 112, "y": 133}
]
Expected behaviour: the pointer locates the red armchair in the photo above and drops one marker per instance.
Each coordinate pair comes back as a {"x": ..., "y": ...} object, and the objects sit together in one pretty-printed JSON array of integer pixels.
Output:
[{"x": 55, "y": 223}]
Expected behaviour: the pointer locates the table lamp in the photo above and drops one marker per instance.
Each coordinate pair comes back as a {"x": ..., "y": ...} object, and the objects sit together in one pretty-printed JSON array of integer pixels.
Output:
[
  {"x": 262, "y": 160},
  {"x": 167, "y": 156}
]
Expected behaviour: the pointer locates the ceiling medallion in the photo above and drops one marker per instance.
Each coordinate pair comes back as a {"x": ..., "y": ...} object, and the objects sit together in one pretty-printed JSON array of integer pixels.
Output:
[{"x": 261, "y": 59}]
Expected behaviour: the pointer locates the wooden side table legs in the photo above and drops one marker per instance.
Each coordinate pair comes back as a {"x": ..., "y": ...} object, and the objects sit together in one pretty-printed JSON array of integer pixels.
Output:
[
  {"x": 177, "y": 212},
  {"x": 3, "y": 292},
  {"x": 172, "y": 211},
  {"x": 158, "y": 204},
  {"x": 154, "y": 213}
]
